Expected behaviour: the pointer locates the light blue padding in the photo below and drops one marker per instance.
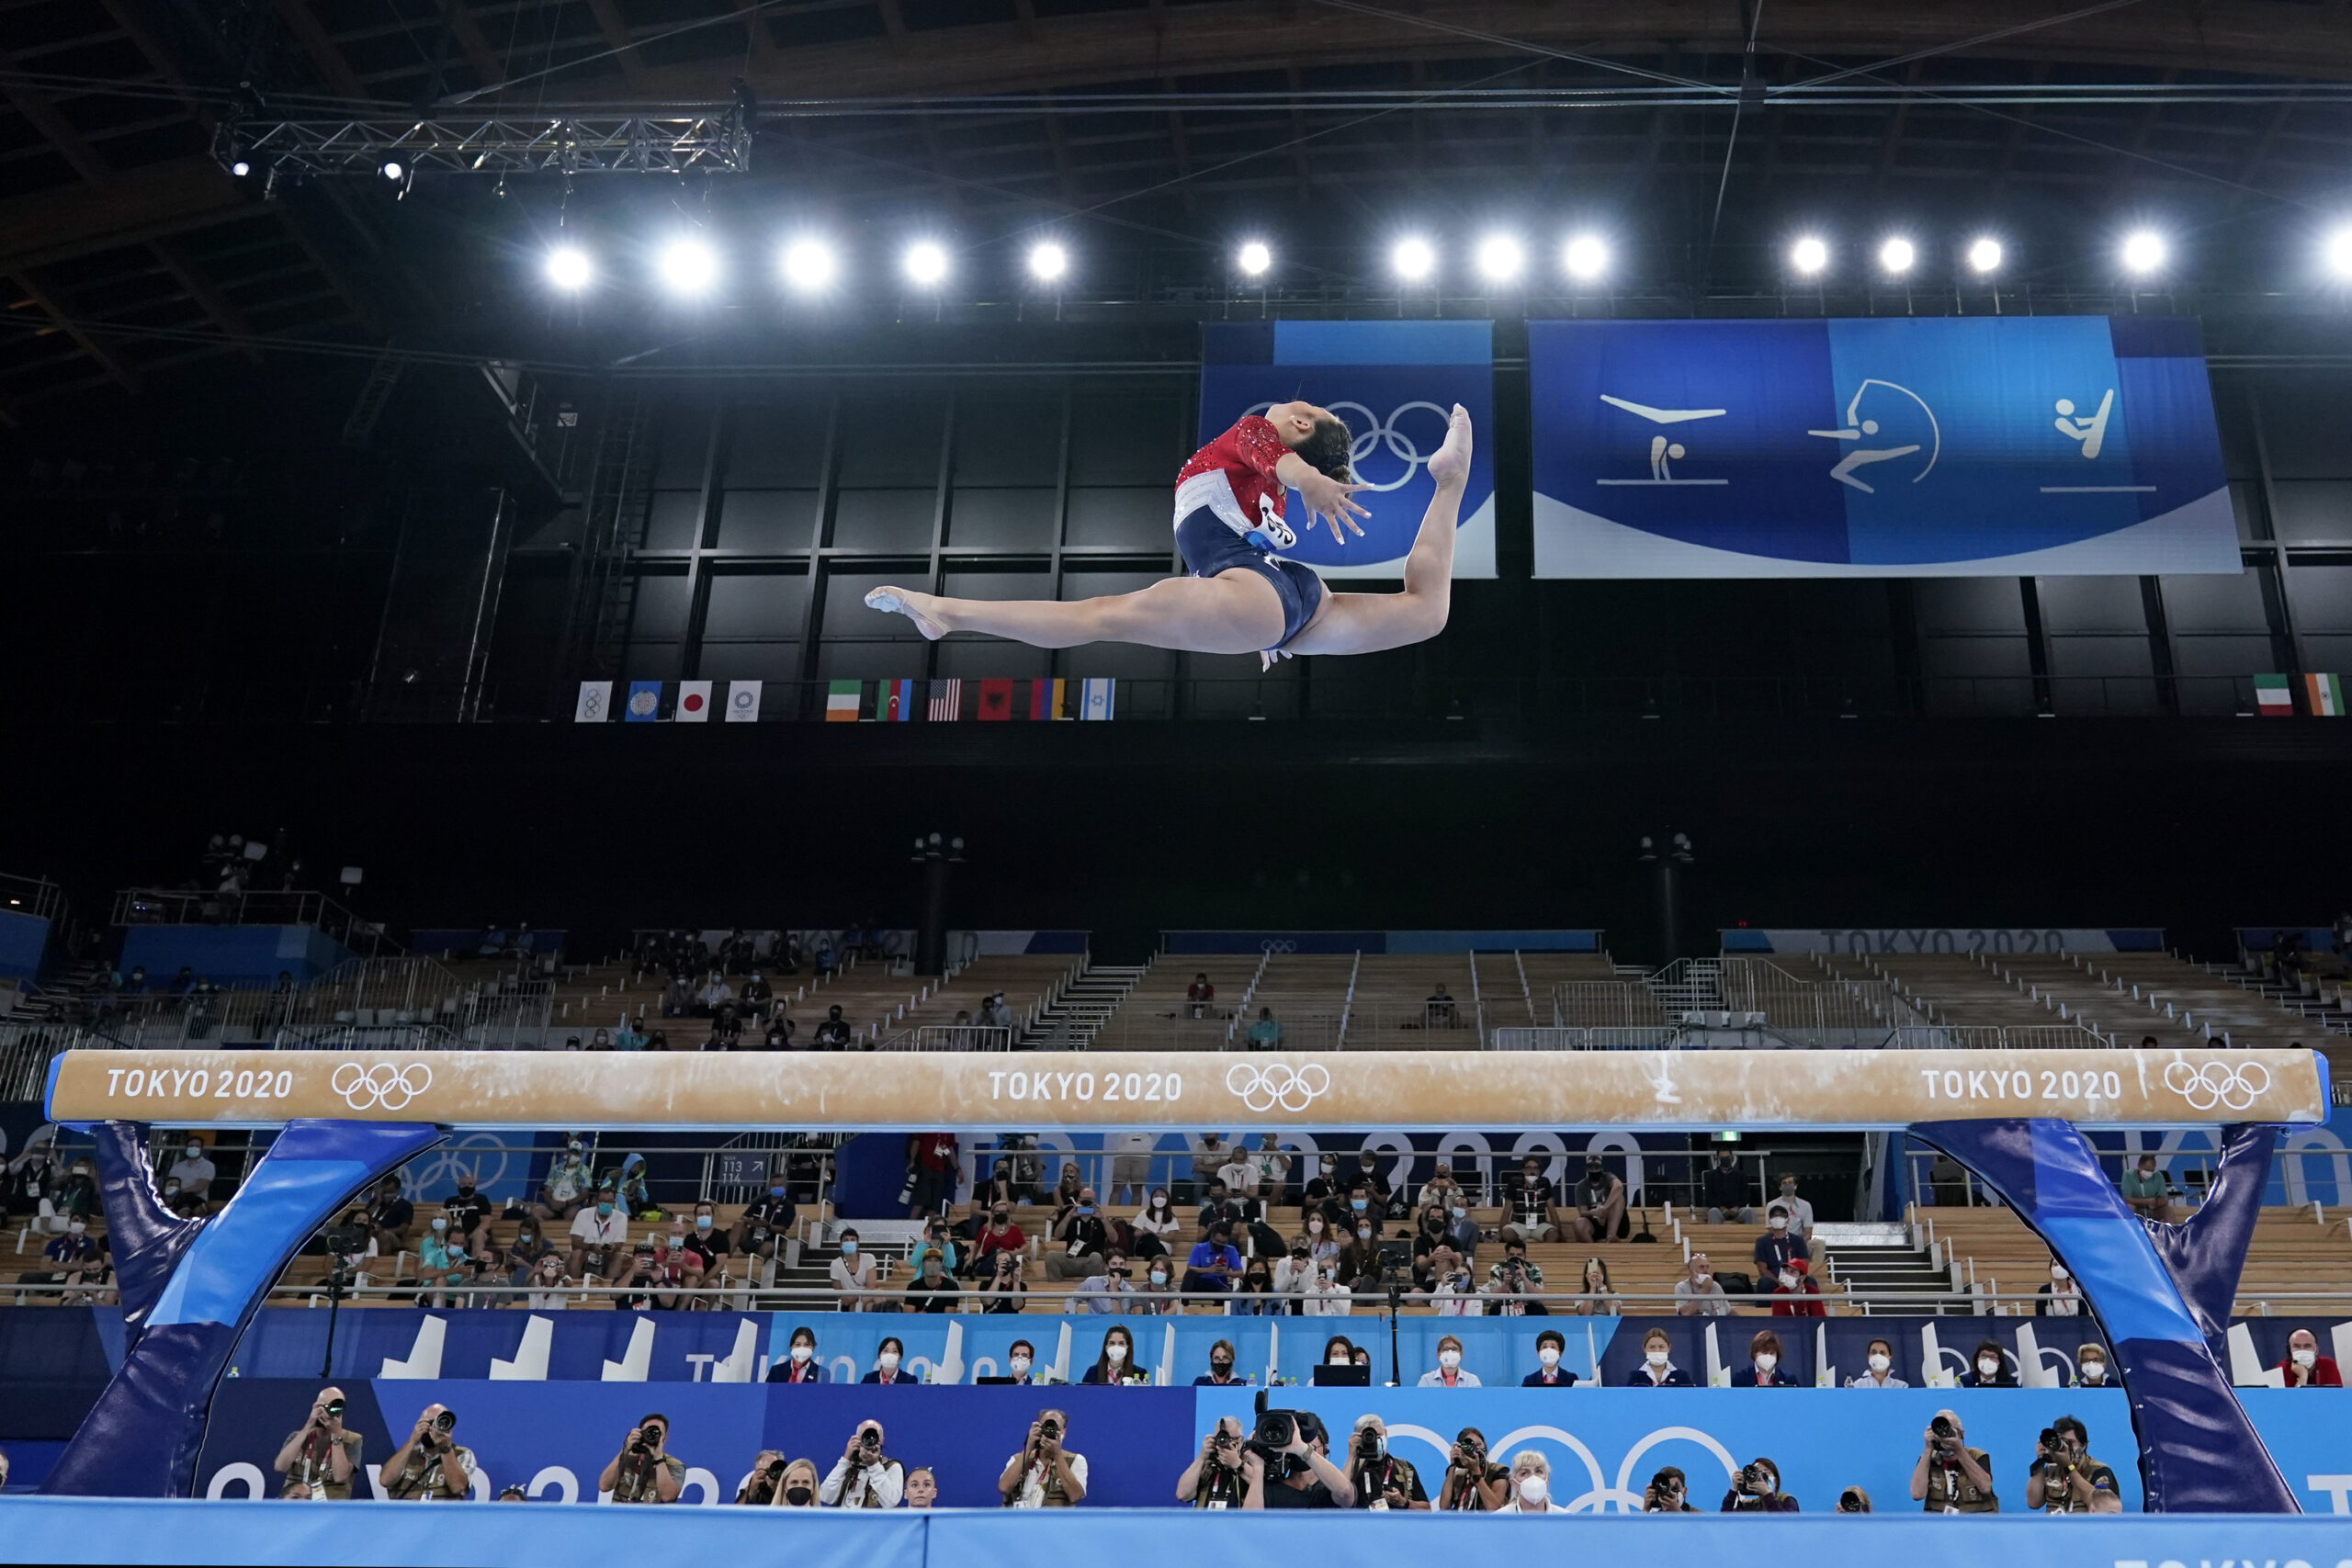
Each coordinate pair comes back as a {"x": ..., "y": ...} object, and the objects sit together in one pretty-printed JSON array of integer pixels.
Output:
[
  {"x": 1385, "y": 342},
  {"x": 2083, "y": 1218},
  {"x": 277, "y": 1205}
]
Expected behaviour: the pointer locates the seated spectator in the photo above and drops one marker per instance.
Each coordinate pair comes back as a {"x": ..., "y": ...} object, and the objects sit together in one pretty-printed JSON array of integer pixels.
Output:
[
  {"x": 2064, "y": 1479},
  {"x": 551, "y": 1290},
  {"x": 524, "y": 1253},
  {"x": 1881, "y": 1369},
  {"x": 1294, "y": 1269},
  {"x": 1001, "y": 1288},
  {"x": 1156, "y": 1296},
  {"x": 1220, "y": 1207},
  {"x": 1599, "y": 1299},
  {"x": 1221, "y": 1373},
  {"x": 886, "y": 1357},
  {"x": 863, "y": 1477},
  {"x": 1657, "y": 1368},
  {"x": 193, "y": 1171},
  {"x": 1214, "y": 1478},
  {"x": 1324, "y": 1296},
  {"x": 1265, "y": 1034},
  {"x": 2146, "y": 1191},
  {"x": 440, "y": 1260},
  {"x": 1238, "y": 1175},
  {"x": 1254, "y": 1296},
  {"x": 1796, "y": 1293},
  {"x": 1474, "y": 1483},
  {"x": 1991, "y": 1368},
  {"x": 715, "y": 993},
  {"x": 998, "y": 1234},
  {"x": 469, "y": 1213},
  {"x": 1300, "y": 1476},
  {"x": 779, "y": 1034},
  {"x": 1460, "y": 1230},
  {"x": 1044, "y": 1475},
  {"x": 704, "y": 1244},
  {"x": 936, "y": 1239},
  {"x": 1207, "y": 1161},
  {"x": 833, "y": 1035},
  {"x": 1600, "y": 1203},
  {"x": 2061, "y": 1297},
  {"x": 1081, "y": 1238},
  {"x": 2304, "y": 1366},
  {"x": 852, "y": 1275},
  {"x": 1951, "y": 1477},
  {"x": 1800, "y": 1212},
  {"x": 1155, "y": 1225},
  {"x": 1531, "y": 1483},
  {"x": 1272, "y": 1169},
  {"x": 1756, "y": 1490},
  {"x": 994, "y": 1013},
  {"x": 1437, "y": 1012},
  {"x": 1359, "y": 1265},
  {"x": 761, "y": 1228},
  {"x": 726, "y": 1029},
  {"x": 1777, "y": 1246},
  {"x": 1429, "y": 1236},
  {"x": 800, "y": 1363},
  {"x": 1066, "y": 1188},
  {"x": 1441, "y": 1191},
  {"x": 1448, "y": 1373},
  {"x": 68, "y": 1256},
  {"x": 677, "y": 998},
  {"x": 758, "y": 997},
  {"x": 1530, "y": 1212},
  {"x": 1116, "y": 1364},
  {"x": 1382, "y": 1479},
  {"x": 2090, "y": 1367},
  {"x": 932, "y": 1290},
  {"x": 1451, "y": 1292},
  {"x": 389, "y": 1217},
  {"x": 1514, "y": 1284},
  {"x": 1725, "y": 1192},
  {"x": 1550, "y": 1346},
  {"x": 1200, "y": 997},
  {"x": 1111, "y": 1291},
  {"x": 1214, "y": 1263},
  {"x": 1763, "y": 1369},
  {"x": 1698, "y": 1294}
]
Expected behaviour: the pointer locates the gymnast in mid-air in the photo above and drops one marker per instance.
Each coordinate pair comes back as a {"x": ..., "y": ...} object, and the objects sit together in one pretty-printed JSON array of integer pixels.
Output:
[{"x": 1242, "y": 596}]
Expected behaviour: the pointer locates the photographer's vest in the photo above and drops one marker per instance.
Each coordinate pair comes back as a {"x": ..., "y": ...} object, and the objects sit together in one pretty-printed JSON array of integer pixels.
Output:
[
  {"x": 1219, "y": 1487},
  {"x": 423, "y": 1481},
  {"x": 1951, "y": 1492},
  {"x": 635, "y": 1482},
  {"x": 313, "y": 1467}
]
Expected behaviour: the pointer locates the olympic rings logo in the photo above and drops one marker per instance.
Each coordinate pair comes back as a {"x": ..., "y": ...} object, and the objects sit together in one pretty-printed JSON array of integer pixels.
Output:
[
  {"x": 1278, "y": 1084},
  {"x": 2228, "y": 1084},
  {"x": 364, "y": 1088},
  {"x": 1371, "y": 435}
]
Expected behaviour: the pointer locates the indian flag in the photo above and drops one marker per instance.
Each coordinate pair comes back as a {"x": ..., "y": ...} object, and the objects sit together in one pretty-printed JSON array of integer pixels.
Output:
[
  {"x": 840, "y": 702},
  {"x": 2274, "y": 697},
  {"x": 2326, "y": 694}
]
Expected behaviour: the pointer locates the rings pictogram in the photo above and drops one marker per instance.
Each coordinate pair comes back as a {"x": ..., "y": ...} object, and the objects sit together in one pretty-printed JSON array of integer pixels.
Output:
[
  {"x": 1277, "y": 1084},
  {"x": 2227, "y": 1085},
  {"x": 364, "y": 1088}
]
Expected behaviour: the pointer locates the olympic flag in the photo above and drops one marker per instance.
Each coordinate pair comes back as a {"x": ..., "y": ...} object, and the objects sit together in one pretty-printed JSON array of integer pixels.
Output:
[
  {"x": 1893, "y": 447},
  {"x": 1395, "y": 383}
]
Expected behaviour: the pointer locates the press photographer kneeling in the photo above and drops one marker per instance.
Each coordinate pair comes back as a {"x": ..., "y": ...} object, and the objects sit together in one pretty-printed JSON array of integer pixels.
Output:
[
  {"x": 642, "y": 1471},
  {"x": 1667, "y": 1492},
  {"x": 1286, "y": 1465},
  {"x": 1381, "y": 1480},
  {"x": 431, "y": 1466},
  {"x": 2065, "y": 1478},
  {"x": 1951, "y": 1477},
  {"x": 1756, "y": 1490}
]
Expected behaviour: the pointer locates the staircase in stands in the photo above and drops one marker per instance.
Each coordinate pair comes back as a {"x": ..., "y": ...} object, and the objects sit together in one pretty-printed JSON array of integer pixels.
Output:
[{"x": 1071, "y": 1019}]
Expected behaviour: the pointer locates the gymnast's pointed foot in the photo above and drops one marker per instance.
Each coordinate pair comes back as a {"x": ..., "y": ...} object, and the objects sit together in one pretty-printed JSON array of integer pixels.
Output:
[
  {"x": 1450, "y": 464},
  {"x": 919, "y": 608}
]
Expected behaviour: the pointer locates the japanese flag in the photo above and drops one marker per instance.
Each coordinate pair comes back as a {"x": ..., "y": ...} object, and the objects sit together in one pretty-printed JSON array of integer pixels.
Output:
[{"x": 694, "y": 702}]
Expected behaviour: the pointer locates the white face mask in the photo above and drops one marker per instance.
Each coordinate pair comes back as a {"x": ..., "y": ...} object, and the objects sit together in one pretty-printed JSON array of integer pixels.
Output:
[
  {"x": 1880, "y": 1363},
  {"x": 1549, "y": 1357},
  {"x": 888, "y": 1360},
  {"x": 1780, "y": 1222},
  {"x": 2058, "y": 1272},
  {"x": 1532, "y": 1488},
  {"x": 1766, "y": 1361},
  {"x": 1787, "y": 1281},
  {"x": 1339, "y": 1361},
  {"x": 2094, "y": 1372},
  {"x": 1020, "y": 1364},
  {"x": 1988, "y": 1366},
  {"x": 801, "y": 1352},
  {"x": 1449, "y": 1360},
  {"x": 1654, "y": 1358},
  {"x": 1115, "y": 1354},
  {"x": 2306, "y": 1357}
]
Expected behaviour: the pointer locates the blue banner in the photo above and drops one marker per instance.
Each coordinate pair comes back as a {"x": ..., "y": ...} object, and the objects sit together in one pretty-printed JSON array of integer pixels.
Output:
[
  {"x": 1395, "y": 383},
  {"x": 1881, "y": 447}
]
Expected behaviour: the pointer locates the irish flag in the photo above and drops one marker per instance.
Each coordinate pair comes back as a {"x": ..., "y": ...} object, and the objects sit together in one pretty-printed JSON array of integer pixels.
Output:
[
  {"x": 2273, "y": 697},
  {"x": 2326, "y": 694},
  {"x": 840, "y": 702}
]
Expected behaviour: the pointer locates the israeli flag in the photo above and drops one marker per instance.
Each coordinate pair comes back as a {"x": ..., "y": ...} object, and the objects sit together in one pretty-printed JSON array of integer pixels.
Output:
[{"x": 1096, "y": 701}]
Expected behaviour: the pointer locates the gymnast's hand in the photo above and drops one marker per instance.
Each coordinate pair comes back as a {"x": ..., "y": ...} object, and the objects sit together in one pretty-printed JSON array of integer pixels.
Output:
[{"x": 1333, "y": 501}]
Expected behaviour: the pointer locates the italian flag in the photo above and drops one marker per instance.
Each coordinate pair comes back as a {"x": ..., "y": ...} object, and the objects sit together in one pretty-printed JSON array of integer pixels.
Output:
[
  {"x": 2326, "y": 694},
  {"x": 840, "y": 702},
  {"x": 2273, "y": 698}
]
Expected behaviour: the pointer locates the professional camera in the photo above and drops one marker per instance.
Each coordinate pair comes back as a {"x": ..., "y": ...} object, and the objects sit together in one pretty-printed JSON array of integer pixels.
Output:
[
  {"x": 1662, "y": 1494},
  {"x": 1851, "y": 1501},
  {"x": 870, "y": 1440},
  {"x": 776, "y": 1469},
  {"x": 1369, "y": 1445},
  {"x": 1050, "y": 1430},
  {"x": 1474, "y": 1452},
  {"x": 333, "y": 1408},
  {"x": 642, "y": 1442},
  {"x": 1275, "y": 1430},
  {"x": 444, "y": 1421},
  {"x": 1943, "y": 1429}
]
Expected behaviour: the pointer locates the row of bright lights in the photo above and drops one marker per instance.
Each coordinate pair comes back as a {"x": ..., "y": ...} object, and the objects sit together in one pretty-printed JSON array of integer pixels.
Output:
[{"x": 689, "y": 266}]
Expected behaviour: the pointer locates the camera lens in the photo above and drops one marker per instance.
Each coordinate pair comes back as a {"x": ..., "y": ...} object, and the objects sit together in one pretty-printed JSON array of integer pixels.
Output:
[
  {"x": 335, "y": 1407},
  {"x": 446, "y": 1419}
]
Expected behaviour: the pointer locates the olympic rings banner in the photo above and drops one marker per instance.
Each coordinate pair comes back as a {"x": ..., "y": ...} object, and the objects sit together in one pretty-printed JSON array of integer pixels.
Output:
[
  {"x": 1395, "y": 383},
  {"x": 1666, "y": 1089},
  {"x": 1892, "y": 447}
]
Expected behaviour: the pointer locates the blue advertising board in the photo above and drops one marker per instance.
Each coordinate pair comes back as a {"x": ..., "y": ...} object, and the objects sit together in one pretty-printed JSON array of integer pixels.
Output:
[
  {"x": 1395, "y": 383},
  {"x": 1907, "y": 446}
]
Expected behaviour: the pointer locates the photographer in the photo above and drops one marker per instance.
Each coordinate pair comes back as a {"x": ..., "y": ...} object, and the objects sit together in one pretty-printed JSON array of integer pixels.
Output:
[
  {"x": 1853, "y": 1500},
  {"x": 1513, "y": 1282},
  {"x": 1044, "y": 1475},
  {"x": 776, "y": 1482},
  {"x": 1383, "y": 1482},
  {"x": 1474, "y": 1483},
  {"x": 1214, "y": 1479},
  {"x": 644, "y": 1471},
  {"x": 1667, "y": 1492},
  {"x": 1288, "y": 1465},
  {"x": 2064, "y": 1479},
  {"x": 1951, "y": 1477},
  {"x": 1756, "y": 1490},
  {"x": 431, "y": 1466},
  {"x": 322, "y": 1456},
  {"x": 863, "y": 1477}
]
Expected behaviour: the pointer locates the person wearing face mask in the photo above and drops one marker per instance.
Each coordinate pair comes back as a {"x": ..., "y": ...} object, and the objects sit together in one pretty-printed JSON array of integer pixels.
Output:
[
  {"x": 931, "y": 1290},
  {"x": 1531, "y": 1210},
  {"x": 1322, "y": 1294},
  {"x": 863, "y": 1477},
  {"x": 1215, "y": 1263},
  {"x": 703, "y": 1244},
  {"x": 2304, "y": 1366},
  {"x": 1800, "y": 1212},
  {"x": 1778, "y": 1244},
  {"x": 799, "y": 1363},
  {"x": 778, "y": 1483},
  {"x": 441, "y": 1259},
  {"x": 1599, "y": 1298},
  {"x": 1081, "y": 1240},
  {"x": 193, "y": 1170},
  {"x": 2090, "y": 1367},
  {"x": 1295, "y": 1267},
  {"x": 469, "y": 1213},
  {"x": 1001, "y": 1234},
  {"x": 1324, "y": 1233},
  {"x": 1325, "y": 1191},
  {"x": 1796, "y": 1293},
  {"x": 1155, "y": 1225},
  {"x": 1698, "y": 1294},
  {"x": 1020, "y": 1359},
  {"x": 1155, "y": 1293},
  {"x": 1383, "y": 1483},
  {"x": 1881, "y": 1372},
  {"x": 761, "y": 1228},
  {"x": 550, "y": 1289},
  {"x": 1452, "y": 1293},
  {"x": 1756, "y": 1490},
  {"x": 1600, "y": 1214},
  {"x": 389, "y": 1216},
  {"x": 1514, "y": 1284},
  {"x": 1763, "y": 1369},
  {"x": 1367, "y": 1175},
  {"x": 887, "y": 1359},
  {"x": 566, "y": 1189},
  {"x": 1255, "y": 1295},
  {"x": 523, "y": 1255},
  {"x": 1724, "y": 1193},
  {"x": 2061, "y": 1297},
  {"x": 70, "y": 1257},
  {"x": 1657, "y": 1368},
  {"x": 1221, "y": 1373},
  {"x": 599, "y": 1238},
  {"x": 1448, "y": 1373},
  {"x": 1116, "y": 1365},
  {"x": 1531, "y": 1487},
  {"x": 1441, "y": 1191},
  {"x": 1549, "y": 1373},
  {"x": 1988, "y": 1369},
  {"x": 853, "y": 1274}
]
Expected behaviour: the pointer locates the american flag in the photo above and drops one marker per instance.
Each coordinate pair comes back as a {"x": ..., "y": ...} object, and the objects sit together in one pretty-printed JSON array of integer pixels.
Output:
[{"x": 946, "y": 701}]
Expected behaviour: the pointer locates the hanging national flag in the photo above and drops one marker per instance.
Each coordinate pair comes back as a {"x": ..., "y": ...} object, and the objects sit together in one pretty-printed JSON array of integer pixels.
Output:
[
  {"x": 1046, "y": 699},
  {"x": 842, "y": 700},
  {"x": 2273, "y": 697},
  {"x": 2326, "y": 694},
  {"x": 1095, "y": 700},
  {"x": 742, "y": 702},
  {"x": 694, "y": 702},
  {"x": 644, "y": 702},
  {"x": 595, "y": 704},
  {"x": 946, "y": 701},
  {"x": 896, "y": 702},
  {"x": 996, "y": 700}
]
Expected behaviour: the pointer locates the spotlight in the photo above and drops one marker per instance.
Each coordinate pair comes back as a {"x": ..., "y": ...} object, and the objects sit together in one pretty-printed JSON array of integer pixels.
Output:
[
  {"x": 1585, "y": 258},
  {"x": 2143, "y": 251},
  {"x": 392, "y": 169},
  {"x": 809, "y": 266},
  {"x": 1413, "y": 259},
  {"x": 241, "y": 168},
  {"x": 1985, "y": 254},
  {"x": 689, "y": 267},
  {"x": 567, "y": 268},
  {"x": 1898, "y": 255},
  {"x": 1254, "y": 258},
  {"x": 1809, "y": 255},
  {"x": 2339, "y": 251},
  {"x": 1500, "y": 258},
  {"x": 1047, "y": 261},
  {"x": 926, "y": 263}
]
